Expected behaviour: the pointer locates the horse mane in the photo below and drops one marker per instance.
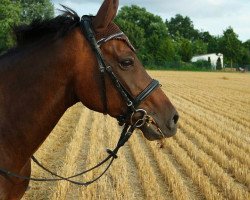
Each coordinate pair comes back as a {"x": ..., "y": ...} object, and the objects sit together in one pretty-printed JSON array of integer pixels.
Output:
[{"x": 53, "y": 28}]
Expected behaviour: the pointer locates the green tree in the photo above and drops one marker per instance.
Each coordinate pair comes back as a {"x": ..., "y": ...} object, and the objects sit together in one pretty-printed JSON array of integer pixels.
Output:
[
  {"x": 218, "y": 64},
  {"x": 247, "y": 44},
  {"x": 170, "y": 50},
  {"x": 146, "y": 31},
  {"x": 230, "y": 46},
  {"x": 181, "y": 26},
  {"x": 36, "y": 9},
  {"x": 135, "y": 34},
  {"x": 161, "y": 53},
  {"x": 244, "y": 59},
  {"x": 150, "y": 23},
  {"x": 14, "y": 12},
  {"x": 199, "y": 47},
  {"x": 9, "y": 16},
  {"x": 214, "y": 45},
  {"x": 205, "y": 36},
  {"x": 185, "y": 50}
]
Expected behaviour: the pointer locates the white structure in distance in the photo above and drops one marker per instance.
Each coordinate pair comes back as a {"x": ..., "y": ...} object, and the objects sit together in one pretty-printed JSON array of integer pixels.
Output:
[{"x": 213, "y": 59}]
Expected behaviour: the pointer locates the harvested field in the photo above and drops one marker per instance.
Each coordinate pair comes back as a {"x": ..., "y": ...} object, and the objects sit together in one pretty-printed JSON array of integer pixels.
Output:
[{"x": 209, "y": 158}]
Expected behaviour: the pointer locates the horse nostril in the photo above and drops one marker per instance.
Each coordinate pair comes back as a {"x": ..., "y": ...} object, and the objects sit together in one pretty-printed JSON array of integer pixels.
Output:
[
  {"x": 175, "y": 118},
  {"x": 172, "y": 122}
]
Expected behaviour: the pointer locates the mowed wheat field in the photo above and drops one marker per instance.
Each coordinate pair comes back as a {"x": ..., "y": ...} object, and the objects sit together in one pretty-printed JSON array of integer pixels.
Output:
[{"x": 208, "y": 158}]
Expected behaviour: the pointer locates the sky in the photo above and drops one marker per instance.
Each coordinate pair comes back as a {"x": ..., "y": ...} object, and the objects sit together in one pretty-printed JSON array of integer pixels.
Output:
[{"x": 214, "y": 16}]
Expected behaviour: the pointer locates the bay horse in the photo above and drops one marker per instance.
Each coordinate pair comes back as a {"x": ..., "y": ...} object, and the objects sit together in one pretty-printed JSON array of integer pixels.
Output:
[{"x": 55, "y": 66}]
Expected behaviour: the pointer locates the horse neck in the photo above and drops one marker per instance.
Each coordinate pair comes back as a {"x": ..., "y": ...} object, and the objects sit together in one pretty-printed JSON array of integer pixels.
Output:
[{"x": 37, "y": 88}]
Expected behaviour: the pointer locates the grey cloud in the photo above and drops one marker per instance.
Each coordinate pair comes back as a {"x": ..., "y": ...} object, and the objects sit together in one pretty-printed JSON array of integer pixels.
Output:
[
  {"x": 214, "y": 15},
  {"x": 198, "y": 8}
]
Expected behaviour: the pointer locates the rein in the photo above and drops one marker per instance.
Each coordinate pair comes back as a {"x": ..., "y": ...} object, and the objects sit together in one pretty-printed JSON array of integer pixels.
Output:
[
  {"x": 128, "y": 120},
  {"x": 125, "y": 135}
]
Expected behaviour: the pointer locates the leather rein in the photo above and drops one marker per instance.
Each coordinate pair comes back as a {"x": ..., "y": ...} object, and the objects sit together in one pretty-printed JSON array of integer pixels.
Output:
[{"x": 128, "y": 120}]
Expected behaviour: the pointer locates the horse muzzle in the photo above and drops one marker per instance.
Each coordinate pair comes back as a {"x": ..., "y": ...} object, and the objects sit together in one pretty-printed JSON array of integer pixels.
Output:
[{"x": 154, "y": 130}]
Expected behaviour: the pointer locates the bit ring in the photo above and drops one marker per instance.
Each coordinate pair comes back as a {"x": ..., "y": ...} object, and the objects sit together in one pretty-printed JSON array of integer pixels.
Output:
[{"x": 141, "y": 121}]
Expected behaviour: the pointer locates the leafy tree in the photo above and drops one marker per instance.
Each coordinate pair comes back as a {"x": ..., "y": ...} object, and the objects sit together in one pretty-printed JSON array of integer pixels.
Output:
[
  {"x": 246, "y": 53},
  {"x": 230, "y": 45},
  {"x": 205, "y": 36},
  {"x": 182, "y": 27},
  {"x": 218, "y": 64},
  {"x": 170, "y": 50},
  {"x": 199, "y": 47},
  {"x": 151, "y": 30},
  {"x": 14, "y": 12},
  {"x": 214, "y": 45},
  {"x": 185, "y": 50},
  {"x": 134, "y": 32},
  {"x": 244, "y": 58},
  {"x": 9, "y": 16},
  {"x": 150, "y": 23},
  {"x": 36, "y": 9},
  {"x": 247, "y": 44},
  {"x": 161, "y": 53}
]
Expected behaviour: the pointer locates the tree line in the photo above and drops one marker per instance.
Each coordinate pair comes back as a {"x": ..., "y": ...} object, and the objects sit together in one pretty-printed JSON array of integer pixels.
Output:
[
  {"x": 162, "y": 44},
  {"x": 176, "y": 40},
  {"x": 15, "y": 12}
]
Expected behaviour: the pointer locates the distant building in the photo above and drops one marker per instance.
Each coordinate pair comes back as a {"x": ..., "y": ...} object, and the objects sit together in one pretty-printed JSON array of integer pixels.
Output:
[{"x": 213, "y": 57}]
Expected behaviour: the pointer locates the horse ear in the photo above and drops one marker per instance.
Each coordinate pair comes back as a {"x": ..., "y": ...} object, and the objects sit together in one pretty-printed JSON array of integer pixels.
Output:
[{"x": 105, "y": 15}]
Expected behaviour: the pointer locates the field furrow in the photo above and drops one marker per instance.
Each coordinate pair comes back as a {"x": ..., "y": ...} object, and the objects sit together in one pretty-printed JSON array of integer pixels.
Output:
[
  {"x": 80, "y": 160},
  {"x": 203, "y": 118},
  {"x": 96, "y": 154},
  {"x": 240, "y": 122},
  {"x": 217, "y": 98},
  {"x": 153, "y": 182},
  {"x": 124, "y": 179},
  {"x": 231, "y": 166},
  {"x": 73, "y": 151},
  {"x": 230, "y": 188},
  {"x": 175, "y": 178},
  {"x": 226, "y": 144},
  {"x": 132, "y": 176},
  {"x": 195, "y": 172},
  {"x": 235, "y": 115}
]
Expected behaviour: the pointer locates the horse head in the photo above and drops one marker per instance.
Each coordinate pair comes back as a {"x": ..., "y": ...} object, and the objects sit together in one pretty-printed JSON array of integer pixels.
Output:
[{"x": 118, "y": 62}]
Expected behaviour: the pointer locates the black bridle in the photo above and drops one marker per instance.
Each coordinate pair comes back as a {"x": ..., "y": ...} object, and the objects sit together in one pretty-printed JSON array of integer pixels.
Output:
[
  {"x": 131, "y": 102},
  {"x": 129, "y": 120}
]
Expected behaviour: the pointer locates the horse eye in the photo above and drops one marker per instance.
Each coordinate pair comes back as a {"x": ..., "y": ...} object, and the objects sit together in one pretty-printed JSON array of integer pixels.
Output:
[{"x": 126, "y": 63}]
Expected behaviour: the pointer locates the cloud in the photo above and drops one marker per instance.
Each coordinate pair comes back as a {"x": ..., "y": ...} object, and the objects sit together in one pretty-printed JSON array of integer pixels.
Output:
[{"x": 208, "y": 15}]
